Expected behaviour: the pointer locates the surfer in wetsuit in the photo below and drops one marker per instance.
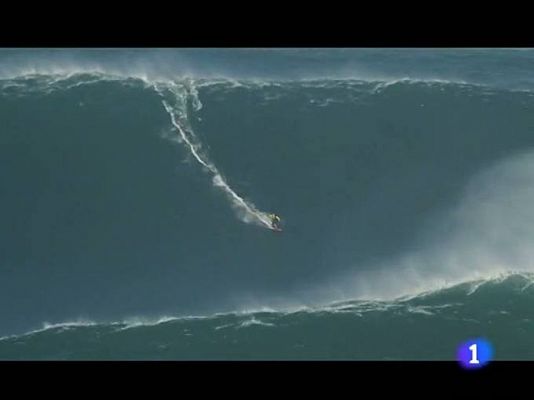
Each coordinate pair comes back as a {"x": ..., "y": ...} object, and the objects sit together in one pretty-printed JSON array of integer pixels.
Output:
[{"x": 275, "y": 221}]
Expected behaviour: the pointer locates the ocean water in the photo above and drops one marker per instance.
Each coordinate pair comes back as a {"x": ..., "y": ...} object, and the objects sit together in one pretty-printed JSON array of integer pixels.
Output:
[{"x": 135, "y": 188}]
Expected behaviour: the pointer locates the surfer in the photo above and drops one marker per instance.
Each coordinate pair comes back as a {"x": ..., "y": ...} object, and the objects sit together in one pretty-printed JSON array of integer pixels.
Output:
[{"x": 275, "y": 221}]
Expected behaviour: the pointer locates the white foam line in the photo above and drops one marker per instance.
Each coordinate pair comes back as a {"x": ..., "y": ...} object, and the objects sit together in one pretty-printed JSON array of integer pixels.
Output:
[
  {"x": 137, "y": 322},
  {"x": 475, "y": 286},
  {"x": 62, "y": 325},
  {"x": 191, "y": 146},
  {"x": 254, "y": 321},
  {"x": 251, "y": 214}
]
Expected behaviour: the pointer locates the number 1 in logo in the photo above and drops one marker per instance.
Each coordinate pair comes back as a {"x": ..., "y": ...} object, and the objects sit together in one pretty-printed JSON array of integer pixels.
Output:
[{"x": 474, "y": 359}]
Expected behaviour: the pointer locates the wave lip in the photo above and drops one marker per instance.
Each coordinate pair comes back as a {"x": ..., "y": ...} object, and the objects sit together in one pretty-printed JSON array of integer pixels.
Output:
[
  {"x": 493, "y": 66},
  {"x": 42, "y": 80},
  {"x": 427, "y": 303},
  {"x": 500, "y": 308}
]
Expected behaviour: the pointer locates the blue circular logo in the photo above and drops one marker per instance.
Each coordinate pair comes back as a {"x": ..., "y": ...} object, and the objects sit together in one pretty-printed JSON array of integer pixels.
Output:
[{"x": 475, "y": 353}]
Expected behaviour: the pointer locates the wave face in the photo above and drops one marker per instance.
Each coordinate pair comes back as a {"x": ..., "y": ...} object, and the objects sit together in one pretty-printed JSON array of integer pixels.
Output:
[{"x": 137, "y": 184}]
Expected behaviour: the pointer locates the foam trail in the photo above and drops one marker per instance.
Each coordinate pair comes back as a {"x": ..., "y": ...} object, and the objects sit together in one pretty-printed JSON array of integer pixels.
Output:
[{"x": 246, "y": 211}]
